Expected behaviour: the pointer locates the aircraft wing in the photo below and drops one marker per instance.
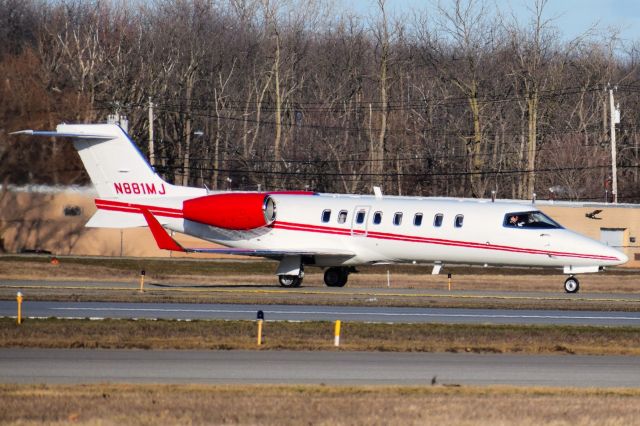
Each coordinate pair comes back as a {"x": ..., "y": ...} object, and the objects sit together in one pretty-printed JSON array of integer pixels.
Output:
[
  {"x": 268, "y": 253},
  {"x": 165, "y": 242}
]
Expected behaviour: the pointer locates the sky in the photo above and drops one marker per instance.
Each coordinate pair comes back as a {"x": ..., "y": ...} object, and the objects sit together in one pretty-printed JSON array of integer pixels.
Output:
[{"x": 572, "y": 17}]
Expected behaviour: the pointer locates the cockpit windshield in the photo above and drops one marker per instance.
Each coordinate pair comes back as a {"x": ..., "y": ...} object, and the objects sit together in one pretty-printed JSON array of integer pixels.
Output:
[{"x": 530, "y": 220}]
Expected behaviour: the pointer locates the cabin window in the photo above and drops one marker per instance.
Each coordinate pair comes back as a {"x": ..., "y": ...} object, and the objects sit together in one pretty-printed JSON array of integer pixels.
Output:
[
  {"x": 326, "y": 216},
  {"x": 377, "y": 218},
  {"x": 360, "y": 216},
  {"x": 458, "y": 221},
  {"x": 530, "y": 220},
  {"x": 342, "y": 216},
  {"x": 397, "y": 218},
  {"x": 437, "y": 220},
  {"x": 417, "y": 219}
]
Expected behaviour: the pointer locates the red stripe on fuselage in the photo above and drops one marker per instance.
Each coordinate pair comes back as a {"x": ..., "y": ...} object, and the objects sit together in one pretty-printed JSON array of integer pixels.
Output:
[{"x": 436, "y": 241}]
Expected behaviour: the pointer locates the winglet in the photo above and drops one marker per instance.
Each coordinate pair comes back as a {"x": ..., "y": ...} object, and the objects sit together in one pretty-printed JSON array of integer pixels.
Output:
[{"x": 163, "y": 239}]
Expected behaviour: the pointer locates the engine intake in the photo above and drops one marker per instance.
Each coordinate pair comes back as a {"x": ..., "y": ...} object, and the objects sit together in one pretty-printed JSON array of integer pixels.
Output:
[{"x": 237, "y": 211}]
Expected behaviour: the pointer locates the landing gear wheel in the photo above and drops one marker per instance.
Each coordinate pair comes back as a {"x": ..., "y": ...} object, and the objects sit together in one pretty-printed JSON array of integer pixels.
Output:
[
  {"x": 336, "y": 277},
  {"x": 290, "y": 281},
  {"x": 572, "y": 285}
]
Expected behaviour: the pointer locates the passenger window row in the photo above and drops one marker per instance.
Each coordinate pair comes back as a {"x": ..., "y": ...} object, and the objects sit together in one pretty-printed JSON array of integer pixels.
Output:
[{"x": 438, "y": 218}]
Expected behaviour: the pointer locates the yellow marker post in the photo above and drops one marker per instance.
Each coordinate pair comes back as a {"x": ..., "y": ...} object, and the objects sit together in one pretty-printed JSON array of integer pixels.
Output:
[
  {"x": 19, "y": 299},
  {"x": 260, "y": 332},
  {"x": 142, "y": 273},
  {"x": 336, "y": 334},
  {"x": 449, "y": 281}
]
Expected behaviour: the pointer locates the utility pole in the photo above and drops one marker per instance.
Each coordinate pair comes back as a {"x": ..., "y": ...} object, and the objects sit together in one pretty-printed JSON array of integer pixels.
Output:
[
  {"x": 152, "y": 157},
  {"x": 117, "y": 118},
  {"x": 614, "y": 119}
]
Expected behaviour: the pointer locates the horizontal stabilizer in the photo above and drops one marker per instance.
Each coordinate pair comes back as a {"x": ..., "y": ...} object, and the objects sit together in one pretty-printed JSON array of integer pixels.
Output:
[{"x": 63, "y": 134}]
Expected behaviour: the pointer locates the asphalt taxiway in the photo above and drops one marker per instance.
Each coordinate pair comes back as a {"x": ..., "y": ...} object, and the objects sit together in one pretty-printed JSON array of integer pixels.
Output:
[
  {"x": 185, "y": 311},
  {"x": 291, "y": 367}
]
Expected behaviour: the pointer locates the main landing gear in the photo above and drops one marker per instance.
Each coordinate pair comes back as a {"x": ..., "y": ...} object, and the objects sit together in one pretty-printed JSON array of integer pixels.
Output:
[
  {"x": 336, "y": 276},
  {"x": 290, "y": 272},
  {"x": 571, "y": 285},
  {"x": 333, "y": 277}
]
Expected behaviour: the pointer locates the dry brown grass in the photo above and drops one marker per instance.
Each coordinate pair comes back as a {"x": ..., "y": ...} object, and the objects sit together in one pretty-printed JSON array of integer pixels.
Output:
[
  {"x": 147, "y": 334},
  {"x": 105, "y": 404}
]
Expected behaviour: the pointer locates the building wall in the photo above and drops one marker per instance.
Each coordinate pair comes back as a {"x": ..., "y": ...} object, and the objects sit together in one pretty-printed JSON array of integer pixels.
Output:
[{"x": 35, "y": 219}]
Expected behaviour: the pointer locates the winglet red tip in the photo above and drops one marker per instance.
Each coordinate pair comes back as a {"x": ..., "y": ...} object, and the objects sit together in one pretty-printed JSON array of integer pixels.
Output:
[{"x": 163, "y": 239}]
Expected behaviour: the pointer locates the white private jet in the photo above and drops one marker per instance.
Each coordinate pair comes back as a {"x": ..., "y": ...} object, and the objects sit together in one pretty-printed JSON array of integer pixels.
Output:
[{"x": 332, "y": 231}]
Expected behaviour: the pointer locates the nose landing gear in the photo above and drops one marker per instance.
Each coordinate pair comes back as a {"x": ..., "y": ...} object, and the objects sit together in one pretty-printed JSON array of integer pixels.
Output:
[
  {"x": 291, "y": 281},
  {"x": 571, "y": 285}
]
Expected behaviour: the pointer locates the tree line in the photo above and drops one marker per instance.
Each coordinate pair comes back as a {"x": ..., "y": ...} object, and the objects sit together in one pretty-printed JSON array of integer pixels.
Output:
[{"x": 456, "y": 99}]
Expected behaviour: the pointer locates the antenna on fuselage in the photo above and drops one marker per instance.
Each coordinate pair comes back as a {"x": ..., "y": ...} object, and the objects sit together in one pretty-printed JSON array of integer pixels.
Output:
[{"x": 377, "y": 192}]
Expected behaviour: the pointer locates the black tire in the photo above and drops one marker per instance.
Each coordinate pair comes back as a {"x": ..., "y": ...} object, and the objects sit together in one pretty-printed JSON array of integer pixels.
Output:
[
  {"x": 290, "y": 281},
  {"x": 336, "y": 277},
  {"x": 571, "y": 285}
]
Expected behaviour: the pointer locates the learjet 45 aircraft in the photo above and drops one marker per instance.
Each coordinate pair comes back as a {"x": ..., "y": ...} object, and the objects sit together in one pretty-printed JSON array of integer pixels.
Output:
[{"x": 332, "y": 231}]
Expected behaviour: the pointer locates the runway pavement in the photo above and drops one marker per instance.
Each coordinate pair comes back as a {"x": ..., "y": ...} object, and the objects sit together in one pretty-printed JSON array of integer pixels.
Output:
[
  {"x": 353, "y": 368},
  {"x": 182, "y": 311}
]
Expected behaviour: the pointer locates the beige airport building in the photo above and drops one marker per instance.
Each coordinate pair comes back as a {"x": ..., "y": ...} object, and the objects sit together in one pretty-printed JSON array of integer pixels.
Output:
[{"x": 52, "y": 220}]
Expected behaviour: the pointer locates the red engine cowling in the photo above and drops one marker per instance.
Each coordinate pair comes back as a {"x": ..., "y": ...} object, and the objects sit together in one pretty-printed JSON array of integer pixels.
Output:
[{"x": 238, "y": 211}]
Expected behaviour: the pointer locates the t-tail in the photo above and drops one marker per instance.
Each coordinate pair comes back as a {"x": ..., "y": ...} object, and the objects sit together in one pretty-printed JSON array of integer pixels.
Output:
[
  {"x": 122, "y": 176},
  {"x": 116, "y": 167}
]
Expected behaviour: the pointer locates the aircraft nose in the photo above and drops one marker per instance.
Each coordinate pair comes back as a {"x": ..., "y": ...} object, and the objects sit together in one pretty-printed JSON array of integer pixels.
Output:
[
  {"x": 620, "y": 256},
  {"x": 623, "y": 257}
]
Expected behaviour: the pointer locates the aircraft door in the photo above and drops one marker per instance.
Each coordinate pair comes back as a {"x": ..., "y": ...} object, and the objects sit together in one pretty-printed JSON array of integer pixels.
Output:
[{"x": 360, "y": 221}]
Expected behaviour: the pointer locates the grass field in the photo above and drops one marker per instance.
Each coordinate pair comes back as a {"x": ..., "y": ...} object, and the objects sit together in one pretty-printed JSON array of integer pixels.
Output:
[
  {"x": 106, "y": 404},
  {"x": 222, "y": 335}
]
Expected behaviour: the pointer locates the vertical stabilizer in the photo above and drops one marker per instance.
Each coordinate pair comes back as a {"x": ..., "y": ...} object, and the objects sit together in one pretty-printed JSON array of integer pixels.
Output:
[{"x": 115, "y": 165}]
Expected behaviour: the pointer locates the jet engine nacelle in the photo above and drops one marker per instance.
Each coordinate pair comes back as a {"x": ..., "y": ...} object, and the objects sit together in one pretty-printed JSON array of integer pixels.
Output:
[{"x": 237, "y": 211}]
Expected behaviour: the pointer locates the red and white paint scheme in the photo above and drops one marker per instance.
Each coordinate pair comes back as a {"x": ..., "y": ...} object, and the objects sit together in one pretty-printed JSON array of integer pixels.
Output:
[{"x": 332, "y": 231}]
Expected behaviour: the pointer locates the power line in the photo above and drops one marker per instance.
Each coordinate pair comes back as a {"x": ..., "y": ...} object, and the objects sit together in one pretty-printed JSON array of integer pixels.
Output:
[
  {"x": 310, "y": 106},
  {"x": 235, "y": 105},
  {"x": 395, "y": 174}
]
